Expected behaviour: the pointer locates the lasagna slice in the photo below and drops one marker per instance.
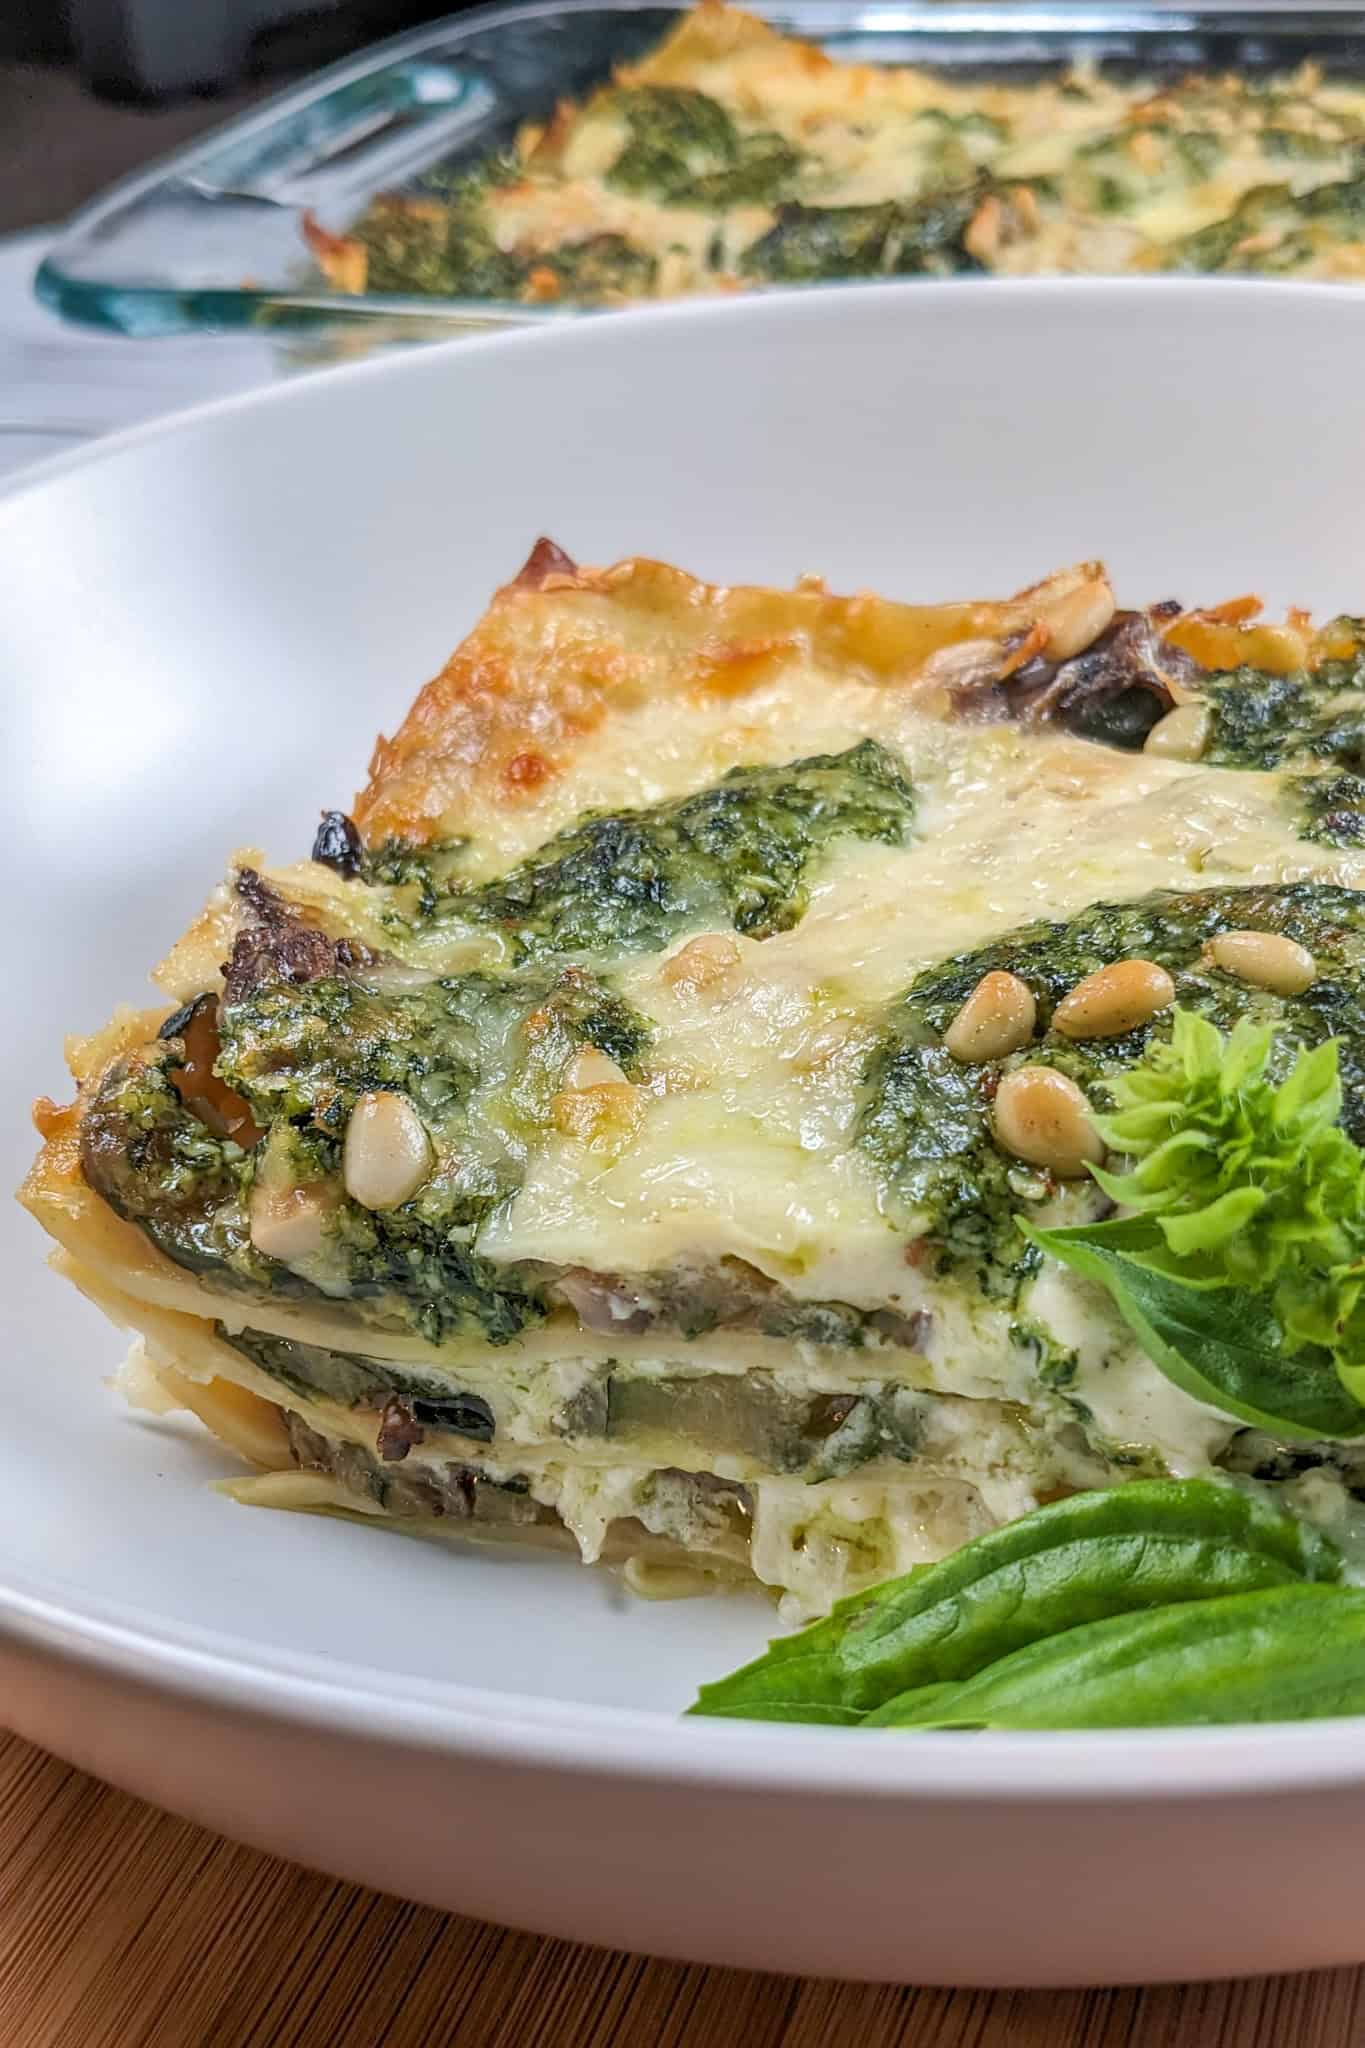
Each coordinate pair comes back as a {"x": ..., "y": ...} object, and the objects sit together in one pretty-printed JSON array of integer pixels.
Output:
[{"x": 605, "y": 1137}]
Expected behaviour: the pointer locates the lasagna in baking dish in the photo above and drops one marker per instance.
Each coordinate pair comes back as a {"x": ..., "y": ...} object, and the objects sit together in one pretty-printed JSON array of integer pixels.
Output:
[
  {"x": 733, "y": 156},
  {"x": 691, "y": 1106}
]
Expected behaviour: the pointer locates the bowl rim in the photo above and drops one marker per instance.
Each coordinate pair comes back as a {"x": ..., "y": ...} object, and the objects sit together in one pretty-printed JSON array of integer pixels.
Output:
[
  {"x": 783, "y": 303},
  {"x": 214, "y": 1668}
]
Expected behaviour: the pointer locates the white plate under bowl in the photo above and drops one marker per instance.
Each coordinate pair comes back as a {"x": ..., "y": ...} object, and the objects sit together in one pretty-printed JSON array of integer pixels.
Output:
[{"x": 201, "y": 628}]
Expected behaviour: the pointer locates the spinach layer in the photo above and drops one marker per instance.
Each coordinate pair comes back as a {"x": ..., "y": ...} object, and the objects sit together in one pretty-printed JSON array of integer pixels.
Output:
[
  {"x": 684, "y": 149},
  {"x": 1272, "y": 229},
  {"x": 925, "y": 1118},
  {"x": 1331, "y": 809},
  {"x": 738, "y": 853},
  {"x": 1270, "y": 721},
  {"x": 893, "y": 238},
  {"x": 442, "y": 244},
  {"x": 480, "y": 1054}
]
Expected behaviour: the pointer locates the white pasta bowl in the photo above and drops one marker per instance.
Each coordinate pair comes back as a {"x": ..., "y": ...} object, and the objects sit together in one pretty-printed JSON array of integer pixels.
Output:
[{"x": 203, "y": 626}]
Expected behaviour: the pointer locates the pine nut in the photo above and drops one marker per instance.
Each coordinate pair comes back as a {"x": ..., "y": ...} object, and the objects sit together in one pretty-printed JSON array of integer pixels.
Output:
[
  {"x": 1042, "y": 1116},
  {"x": 1114, "y": 999},
  {"x": 1075, "y": 622},
  {"x": 706, "y": 963},
  {"x": 590, "y": 1068},
  {"x": 997, "y": 1018},
  {"x": 596, "y": 1103},
  {"x": 598, "y": 1115},
  {"x": 1266, "y": 959},
  {"x": 1182, "y": 735},
  {"x": 286, "y": 1222},
  {"x": 387, "y": 1153}
]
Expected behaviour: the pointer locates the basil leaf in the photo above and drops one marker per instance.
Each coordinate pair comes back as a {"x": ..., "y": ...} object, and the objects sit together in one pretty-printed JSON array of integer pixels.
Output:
[
  {"x": 797, "y": 1677},
  {"x": 1146, "y": 1544},
  {"x": 1220, "y": 1344},
  {"x": 923, "y": 1706},
  {"x": 1149, "y": 1543},
  {"x": 782, "y": 1685},
  {"x": 1294, "y": 1653},
  {"x": 812, "y": 1713}
]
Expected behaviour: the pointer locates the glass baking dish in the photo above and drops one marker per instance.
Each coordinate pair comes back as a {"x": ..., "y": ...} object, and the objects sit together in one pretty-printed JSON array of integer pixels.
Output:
[{"x": 213, "y": 236}]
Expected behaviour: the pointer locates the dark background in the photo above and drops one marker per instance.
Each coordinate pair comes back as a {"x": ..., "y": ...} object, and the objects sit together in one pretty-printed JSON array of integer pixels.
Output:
[{"x": 89, "y": 89}]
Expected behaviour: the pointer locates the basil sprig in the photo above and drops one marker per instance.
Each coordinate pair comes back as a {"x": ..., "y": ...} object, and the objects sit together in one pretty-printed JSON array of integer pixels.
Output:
[
  {"x": 1240, "y": 1265},
  {"x": 1223, "y": 1345},
  {"x": 909, "y": 1652}
]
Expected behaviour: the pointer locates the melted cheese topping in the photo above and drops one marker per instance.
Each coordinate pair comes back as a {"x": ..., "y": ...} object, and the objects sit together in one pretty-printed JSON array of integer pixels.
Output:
[
  {"x": 1074, "y": 172},
  {"x": 743, "y": 1147}
]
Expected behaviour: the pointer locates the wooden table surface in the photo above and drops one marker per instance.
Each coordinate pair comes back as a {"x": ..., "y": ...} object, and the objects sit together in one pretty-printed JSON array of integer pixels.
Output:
[{"x": 123, "y": 1928}]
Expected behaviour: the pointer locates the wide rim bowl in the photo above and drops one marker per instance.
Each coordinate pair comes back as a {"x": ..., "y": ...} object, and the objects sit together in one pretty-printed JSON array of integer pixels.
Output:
[{"x": 209, "y": 1666}]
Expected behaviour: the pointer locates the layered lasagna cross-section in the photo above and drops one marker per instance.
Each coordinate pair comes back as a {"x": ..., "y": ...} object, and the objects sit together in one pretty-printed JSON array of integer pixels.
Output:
[{"x": 624, "y": 1130}]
